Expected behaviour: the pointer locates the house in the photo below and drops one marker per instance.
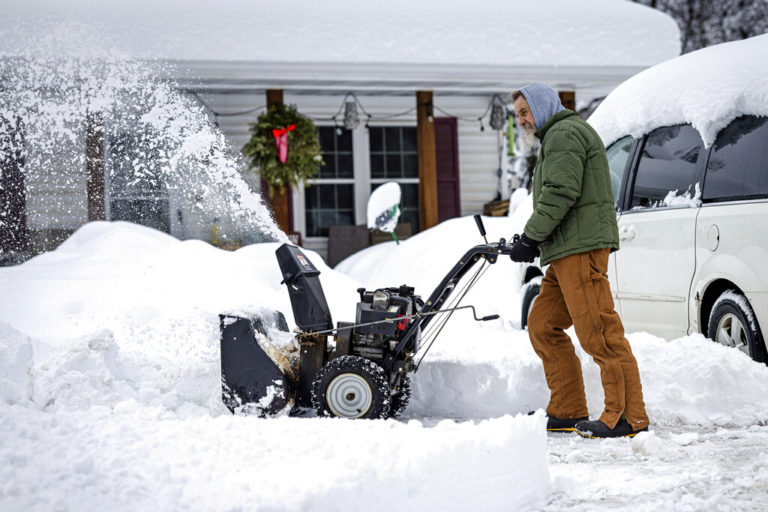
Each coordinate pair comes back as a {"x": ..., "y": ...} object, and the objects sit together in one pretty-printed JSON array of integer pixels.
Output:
[{"x": 423, "y": 77}]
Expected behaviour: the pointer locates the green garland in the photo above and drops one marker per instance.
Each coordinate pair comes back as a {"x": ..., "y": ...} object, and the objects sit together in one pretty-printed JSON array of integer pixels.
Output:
[{"x": 304, "y": 153}]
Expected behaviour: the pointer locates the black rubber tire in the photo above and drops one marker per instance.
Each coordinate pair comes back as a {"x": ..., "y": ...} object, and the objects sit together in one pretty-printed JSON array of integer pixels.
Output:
[
  {"x": 529, "y": 295},
  {"x": 352, "y": 379},
  {"x": 400, "y": 400},
  {"x": 725, "y": 313}
]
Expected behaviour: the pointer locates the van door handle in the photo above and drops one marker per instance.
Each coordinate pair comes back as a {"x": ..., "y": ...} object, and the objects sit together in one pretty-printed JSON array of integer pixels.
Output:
[{"x": 626, "y": 233}]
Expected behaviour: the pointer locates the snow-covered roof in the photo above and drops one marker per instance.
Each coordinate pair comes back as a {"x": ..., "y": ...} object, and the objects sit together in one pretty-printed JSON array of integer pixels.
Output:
[
  {"x": 498, "y": 32},
  {"x": 707, "y": 88}
]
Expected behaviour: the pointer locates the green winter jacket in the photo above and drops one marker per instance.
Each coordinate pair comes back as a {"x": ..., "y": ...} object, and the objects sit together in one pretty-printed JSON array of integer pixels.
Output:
[{"x": 573, "y": 209}]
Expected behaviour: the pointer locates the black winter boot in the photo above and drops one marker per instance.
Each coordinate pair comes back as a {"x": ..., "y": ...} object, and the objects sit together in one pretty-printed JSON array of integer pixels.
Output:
[
  {"x": 598, "y": 430},
  {"x": 555, "y": 424}
]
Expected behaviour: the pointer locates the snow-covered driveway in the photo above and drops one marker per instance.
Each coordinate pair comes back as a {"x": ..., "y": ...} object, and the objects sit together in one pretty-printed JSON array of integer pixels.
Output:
[{"x": 110, "y": 398}]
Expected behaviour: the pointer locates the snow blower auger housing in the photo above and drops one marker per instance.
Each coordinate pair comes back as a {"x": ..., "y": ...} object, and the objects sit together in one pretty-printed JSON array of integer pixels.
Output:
[{"x": 366, "y": 373}]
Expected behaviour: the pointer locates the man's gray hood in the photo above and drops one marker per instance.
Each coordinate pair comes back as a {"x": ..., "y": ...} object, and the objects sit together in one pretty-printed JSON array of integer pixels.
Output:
[{"x": 543, "y": 101}]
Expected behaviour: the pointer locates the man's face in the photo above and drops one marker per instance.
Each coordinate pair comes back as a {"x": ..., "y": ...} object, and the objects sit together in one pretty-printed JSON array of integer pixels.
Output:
[{"x": 524, "y": 115}]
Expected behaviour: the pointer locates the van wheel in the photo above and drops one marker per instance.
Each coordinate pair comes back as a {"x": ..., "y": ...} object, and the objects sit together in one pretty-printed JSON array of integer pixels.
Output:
[
  {"x": 530, "y": 292},
  {"x": 733, "y": 324}
]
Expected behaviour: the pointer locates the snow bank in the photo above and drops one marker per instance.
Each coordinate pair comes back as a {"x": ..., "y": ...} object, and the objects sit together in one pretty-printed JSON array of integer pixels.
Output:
[
  {"x": 398, "y": 31},
  {"x": 694, "y": 380},
  {"x": 110, "y": 389},
  {"x": 140, "y": 309},
  {"x": 707, "y": 88},
  {"x": 106, "y": 459},
  {"x": 110, "y": 397}
]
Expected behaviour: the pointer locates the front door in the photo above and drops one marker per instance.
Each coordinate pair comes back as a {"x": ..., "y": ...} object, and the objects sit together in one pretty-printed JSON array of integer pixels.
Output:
[{"x": 447, "y": 158}]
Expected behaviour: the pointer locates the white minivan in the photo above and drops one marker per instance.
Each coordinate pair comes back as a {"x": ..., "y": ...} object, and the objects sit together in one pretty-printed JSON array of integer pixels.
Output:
[{"x": 693, "y": 229}]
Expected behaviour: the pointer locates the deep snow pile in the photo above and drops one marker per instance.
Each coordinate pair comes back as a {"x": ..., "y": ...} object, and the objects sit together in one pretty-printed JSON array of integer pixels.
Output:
[
  {"x": 136, "y": 457},
  {"x": 110, "y": 397},
  {"x": 110, "y": 388},
  {"x": 707, "y": 88}
]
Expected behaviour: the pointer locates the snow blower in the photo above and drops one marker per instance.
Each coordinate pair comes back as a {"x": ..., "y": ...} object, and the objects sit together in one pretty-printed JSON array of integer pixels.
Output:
[{"x": 366, "y": 373}]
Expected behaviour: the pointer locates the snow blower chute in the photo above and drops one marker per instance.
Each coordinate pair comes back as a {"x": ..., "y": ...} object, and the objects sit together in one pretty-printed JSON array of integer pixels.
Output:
[{"x": 366, "y": 373}]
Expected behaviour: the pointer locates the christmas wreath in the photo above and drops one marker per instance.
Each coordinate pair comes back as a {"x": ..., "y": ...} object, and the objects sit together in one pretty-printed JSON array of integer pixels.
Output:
[{"x": 284, "y": 147}]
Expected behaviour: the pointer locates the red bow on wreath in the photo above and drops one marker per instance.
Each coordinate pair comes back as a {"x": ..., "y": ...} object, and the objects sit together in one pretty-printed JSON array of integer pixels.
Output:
[{"x": 281, "y": 142}]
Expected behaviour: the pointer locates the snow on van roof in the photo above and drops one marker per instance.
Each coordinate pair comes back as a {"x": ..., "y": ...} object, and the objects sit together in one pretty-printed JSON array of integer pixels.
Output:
[
  {"x": 492, "y": 32},
  {"x": 707, "y": 88}
]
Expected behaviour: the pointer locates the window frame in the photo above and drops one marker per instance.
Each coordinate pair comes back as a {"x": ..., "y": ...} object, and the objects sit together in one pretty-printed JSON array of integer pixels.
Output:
[
  {"x": 733, "y": 199},
  {"x": 300, "y": 193},
  {"x": 628, "y": 167},
  {"x": 362, "y": 180},
  {"x": 630, "y": 175}
]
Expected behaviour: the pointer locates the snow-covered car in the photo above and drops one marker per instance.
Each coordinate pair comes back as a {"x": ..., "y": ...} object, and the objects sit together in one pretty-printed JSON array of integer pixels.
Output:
[{"x": 688, "y": 152}]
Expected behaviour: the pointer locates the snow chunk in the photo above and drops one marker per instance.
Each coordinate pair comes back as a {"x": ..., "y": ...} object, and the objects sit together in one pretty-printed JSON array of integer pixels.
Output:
[
  {"x": 646, "y": 443},
  {"x": 685, "y": 200}
]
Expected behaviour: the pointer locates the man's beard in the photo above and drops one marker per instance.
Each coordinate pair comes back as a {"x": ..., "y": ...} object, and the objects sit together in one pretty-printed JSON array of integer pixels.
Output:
[{"x": 528, "y": 140}]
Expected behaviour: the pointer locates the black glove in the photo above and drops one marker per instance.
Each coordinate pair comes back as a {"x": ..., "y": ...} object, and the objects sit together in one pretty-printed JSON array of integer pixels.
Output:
[{"x": 524, "y": 250}]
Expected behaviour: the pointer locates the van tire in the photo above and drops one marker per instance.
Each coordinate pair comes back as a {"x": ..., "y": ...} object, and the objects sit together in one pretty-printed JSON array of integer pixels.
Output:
[{"x": 733, "y": 323}]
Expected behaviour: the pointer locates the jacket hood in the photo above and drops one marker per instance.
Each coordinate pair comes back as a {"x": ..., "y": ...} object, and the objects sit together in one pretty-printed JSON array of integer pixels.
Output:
[{"x": 543, "y": 101}]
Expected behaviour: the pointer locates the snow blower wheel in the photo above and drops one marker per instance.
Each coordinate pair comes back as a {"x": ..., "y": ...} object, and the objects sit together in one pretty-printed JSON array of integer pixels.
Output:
[
  {"x": 400, "y": 399},
  {"x": 351, "y": 387}
]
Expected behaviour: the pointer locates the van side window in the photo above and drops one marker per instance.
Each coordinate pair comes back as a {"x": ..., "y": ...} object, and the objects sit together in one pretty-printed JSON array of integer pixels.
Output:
[
  {"x": 667, "y": 167},
  {"x": 738, "y": 164},
  {"x": 617, "y": 154}
]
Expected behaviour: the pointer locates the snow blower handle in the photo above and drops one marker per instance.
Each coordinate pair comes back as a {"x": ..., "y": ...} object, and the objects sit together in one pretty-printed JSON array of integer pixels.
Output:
[{"x": 479, "y": 222}]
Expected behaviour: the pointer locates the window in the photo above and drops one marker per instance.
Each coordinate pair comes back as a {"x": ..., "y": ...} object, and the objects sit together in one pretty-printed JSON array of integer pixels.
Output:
[
  {"x": 617, "y": 154},
  {"x": 667, "y": 164},
  {"x": 137, "y": 191},
  {"x": 394, "y": 157},
  {"x": 330, "y": 197},
  {"x": 738, "y": 164}
]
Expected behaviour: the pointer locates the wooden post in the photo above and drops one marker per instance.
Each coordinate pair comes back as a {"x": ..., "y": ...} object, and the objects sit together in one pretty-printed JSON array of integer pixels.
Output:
[
  {"x": 425, "y": 141},
  {"x": 94, "y": 164},
  {"x": 281, "y": 201},
  {"x": 568, "y": 99}
]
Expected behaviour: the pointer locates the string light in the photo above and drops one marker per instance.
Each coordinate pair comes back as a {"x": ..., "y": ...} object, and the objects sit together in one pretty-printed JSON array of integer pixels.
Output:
[
  {"x": 352, "y": 108},
  {"x": 351, "y": 119}
]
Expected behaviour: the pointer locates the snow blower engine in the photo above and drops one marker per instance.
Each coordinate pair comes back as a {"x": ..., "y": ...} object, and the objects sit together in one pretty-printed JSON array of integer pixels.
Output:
[{"x": 366, "y": 373}]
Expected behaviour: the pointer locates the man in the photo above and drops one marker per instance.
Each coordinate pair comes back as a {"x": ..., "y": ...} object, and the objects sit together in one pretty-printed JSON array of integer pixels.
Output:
[{"x": 573, "y": 227}]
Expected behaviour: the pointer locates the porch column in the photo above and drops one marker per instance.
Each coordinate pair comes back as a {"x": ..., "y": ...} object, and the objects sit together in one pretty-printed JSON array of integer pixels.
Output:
[
  {"x": 94, "y": 165},
  {"x": 568, "y": 99},
  {"x": 425, "y": 141},
  {"x": 280, "y": 201}
]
